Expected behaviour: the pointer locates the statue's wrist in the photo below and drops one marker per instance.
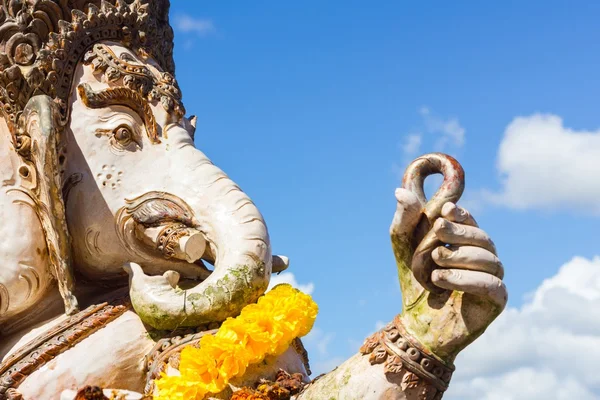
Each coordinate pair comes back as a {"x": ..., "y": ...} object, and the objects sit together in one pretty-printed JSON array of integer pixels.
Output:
[
  {"x": 441, "y": 342},
  {"x": 405, "y": 357}
]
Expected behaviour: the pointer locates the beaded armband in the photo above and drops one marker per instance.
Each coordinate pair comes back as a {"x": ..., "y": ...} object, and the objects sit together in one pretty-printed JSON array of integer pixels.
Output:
[{"x": 402, "y": 355}]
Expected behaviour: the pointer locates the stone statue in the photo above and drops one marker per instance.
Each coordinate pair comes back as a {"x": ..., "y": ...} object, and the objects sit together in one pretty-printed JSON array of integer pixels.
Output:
[{"x": 110, "y": 217}]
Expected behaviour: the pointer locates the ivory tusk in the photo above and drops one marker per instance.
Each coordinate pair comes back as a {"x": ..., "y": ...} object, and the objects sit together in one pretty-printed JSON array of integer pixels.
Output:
[
  {"x": 280, "y": 263},
  {"x": 175, "y": 241},
  {"x": 191, "y": 247}
]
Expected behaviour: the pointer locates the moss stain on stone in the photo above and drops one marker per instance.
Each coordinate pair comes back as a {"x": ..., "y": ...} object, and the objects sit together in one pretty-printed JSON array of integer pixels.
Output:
[{"x": 217, "y": 302}]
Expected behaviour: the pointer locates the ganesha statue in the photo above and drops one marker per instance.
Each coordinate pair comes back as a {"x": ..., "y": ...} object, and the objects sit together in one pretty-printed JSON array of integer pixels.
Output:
[{"x": 123, "y": 245}]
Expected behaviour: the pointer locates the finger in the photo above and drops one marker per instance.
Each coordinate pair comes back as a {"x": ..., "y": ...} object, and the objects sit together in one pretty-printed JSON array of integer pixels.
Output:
[
  {"x": 473, "y": 282},
  {"x": 408, "y": 212},
  {"x": 458, "y": 234},
  {"x": 468, "y": 257},
  {"x": 455, "y": 213}
]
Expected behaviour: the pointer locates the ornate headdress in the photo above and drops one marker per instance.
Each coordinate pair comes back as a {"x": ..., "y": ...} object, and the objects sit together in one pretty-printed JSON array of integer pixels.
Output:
[{"x": 41, "y": 43}]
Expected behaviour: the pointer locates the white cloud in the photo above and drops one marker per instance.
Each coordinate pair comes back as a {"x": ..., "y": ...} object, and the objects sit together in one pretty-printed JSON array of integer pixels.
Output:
[
  {"x": 544, "y": 164},
  {"x": 523, "y": 383},
  {"x": 411, "y": 145},
  {"x": 288, "y": 277},
  {"x": 199, "y": 26},
  {"x": 450, "y": 130},
  {"x": 547, "y": 349}
]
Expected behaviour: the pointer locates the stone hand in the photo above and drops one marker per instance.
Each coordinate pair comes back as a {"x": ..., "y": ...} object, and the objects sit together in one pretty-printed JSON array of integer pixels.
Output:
[{"x": 464, "y": 291}]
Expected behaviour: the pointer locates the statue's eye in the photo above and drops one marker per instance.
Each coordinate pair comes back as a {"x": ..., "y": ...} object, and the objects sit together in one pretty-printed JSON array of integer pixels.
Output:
[
  {"x": 122, "y": 138},
  {"x": 123, "y": 135}
]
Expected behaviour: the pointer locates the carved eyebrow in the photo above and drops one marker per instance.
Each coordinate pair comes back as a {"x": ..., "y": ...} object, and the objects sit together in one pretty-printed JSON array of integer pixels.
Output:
[{"x": 121, "y": 96}]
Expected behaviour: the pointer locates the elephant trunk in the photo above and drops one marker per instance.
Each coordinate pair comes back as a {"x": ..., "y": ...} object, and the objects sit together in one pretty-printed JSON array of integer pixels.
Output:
[{"x": 236, "y": 241}]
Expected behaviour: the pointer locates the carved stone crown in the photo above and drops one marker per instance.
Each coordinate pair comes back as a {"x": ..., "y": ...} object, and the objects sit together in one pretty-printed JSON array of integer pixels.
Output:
[{"x": 41, "y": 42}]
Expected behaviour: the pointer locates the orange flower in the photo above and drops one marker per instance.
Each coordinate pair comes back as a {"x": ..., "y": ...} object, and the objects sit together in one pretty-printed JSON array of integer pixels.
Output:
[{"x": 265, "y": 328}]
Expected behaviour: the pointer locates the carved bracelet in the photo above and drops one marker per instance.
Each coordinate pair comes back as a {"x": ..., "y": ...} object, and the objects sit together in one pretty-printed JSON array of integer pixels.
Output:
[{"x": 403, "y": 355}]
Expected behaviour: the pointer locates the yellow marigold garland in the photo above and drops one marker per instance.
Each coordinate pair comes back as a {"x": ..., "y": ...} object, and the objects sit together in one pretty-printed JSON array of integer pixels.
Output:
[{"x": 265, "y": 328}]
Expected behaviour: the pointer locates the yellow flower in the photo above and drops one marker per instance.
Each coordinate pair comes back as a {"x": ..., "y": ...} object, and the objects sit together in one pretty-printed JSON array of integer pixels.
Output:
[
  {"x": 265, "y": 328},
  {"x": 176, "y": 388},
  {"x": 230, "y": 359}
]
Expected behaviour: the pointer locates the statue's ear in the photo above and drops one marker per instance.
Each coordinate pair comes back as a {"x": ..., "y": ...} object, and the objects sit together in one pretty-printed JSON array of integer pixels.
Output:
[{"x": 37, "y": 134}]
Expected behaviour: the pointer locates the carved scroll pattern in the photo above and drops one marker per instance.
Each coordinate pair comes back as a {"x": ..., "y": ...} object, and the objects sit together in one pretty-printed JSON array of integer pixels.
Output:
[
  {"x": 169, "y": 237},
  {"x": 125, "y": 97},
  {"x": 136, "y": 77},
  {"x": 154, "y": 209},
  {"x": 57, "y": 340},
  {"x": 402, "y": 356}
]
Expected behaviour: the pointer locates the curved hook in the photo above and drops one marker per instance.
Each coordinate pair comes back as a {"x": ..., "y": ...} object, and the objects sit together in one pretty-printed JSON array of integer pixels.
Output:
[{"x": 451, "y": 189}]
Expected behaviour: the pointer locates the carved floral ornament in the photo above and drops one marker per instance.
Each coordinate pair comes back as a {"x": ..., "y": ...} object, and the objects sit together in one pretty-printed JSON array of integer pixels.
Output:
[
  {"x": 41, "y": 42},
  {"x": 139, "y": 79}
]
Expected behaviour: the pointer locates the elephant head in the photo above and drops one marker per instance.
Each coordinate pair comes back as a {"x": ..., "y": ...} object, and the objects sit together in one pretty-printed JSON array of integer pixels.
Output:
[
  {"x": 96, "y": 115},
  {"x": 139, "y": 193}
]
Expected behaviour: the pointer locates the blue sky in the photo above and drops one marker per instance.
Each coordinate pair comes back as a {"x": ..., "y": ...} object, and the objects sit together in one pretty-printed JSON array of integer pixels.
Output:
[{"x": 314, "y": 109}]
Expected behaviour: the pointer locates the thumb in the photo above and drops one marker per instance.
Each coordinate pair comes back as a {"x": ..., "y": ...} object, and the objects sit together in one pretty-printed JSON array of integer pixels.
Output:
[
  {"x": 408, "y": 213},
  {"x": 407, "y": 217}
]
